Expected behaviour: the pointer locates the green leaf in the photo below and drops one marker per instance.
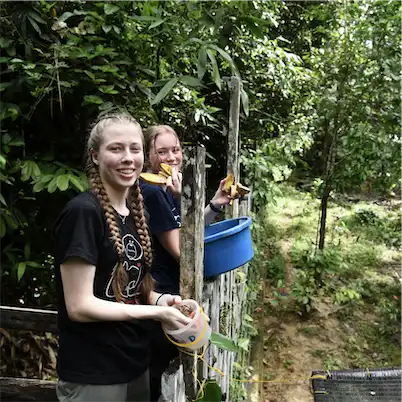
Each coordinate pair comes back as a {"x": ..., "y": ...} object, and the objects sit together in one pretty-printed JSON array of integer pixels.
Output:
[
  {"x": 215, "y": 70},
  {"x": 202, "y": 62},
  {"x": 2, "y": 200},
  {"x": 34, "y": 25},
  {"x": 10, "y": 221},
  {"x": 62, "y": 182},
  {"x": 92, "y": 99},
  {"x": 110, "y": 8},
  {"x": 243, "y": 343},
  {"x": 65, "y": 16},
  {"x": 211, "y": 392},
  {"x": 77, "y": 184},
  {"x": 33, "y": 264},
  {"x": 16, "y": 143},
  {"x": 116, "y": 29},
  {"x": 227, "y": 57},
  {"x": 245, "y": 101},
  {"x": 165, "y": 90},
  {"x": 223, "y": 342},
  {"x": 156, "y": 24},
  {"x": 3, "y": 161},
  {"x": 106, "y": 28},
  {"x": 190, "y": 81},
  {"x": 2, "y": 227},
  {"x": 5, "y": 42},
  {"x": 21, "y": 270},
  {"x": 36, "y": 17},
  {"x": 52, "y": 186},
  {"x": 38, "y": 187}
]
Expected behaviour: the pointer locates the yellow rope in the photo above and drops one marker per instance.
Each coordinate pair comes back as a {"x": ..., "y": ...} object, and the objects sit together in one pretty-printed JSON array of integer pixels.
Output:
[{"x": 288, "y": 381}]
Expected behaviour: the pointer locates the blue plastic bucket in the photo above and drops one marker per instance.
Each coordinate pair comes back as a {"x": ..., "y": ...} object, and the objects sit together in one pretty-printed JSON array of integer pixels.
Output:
[{"x": 227, "y": 245}]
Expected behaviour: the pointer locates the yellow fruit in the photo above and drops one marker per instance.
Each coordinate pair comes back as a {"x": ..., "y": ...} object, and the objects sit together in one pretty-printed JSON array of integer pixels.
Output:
[
  {"x": 233, "y": 193},
  {"x": 153, "y": 179},
  {"x": 163, "y": 174},
  {"x": 242, "y": 190},
  {"x": 166, "y": 168},
  {"x": 228, "y": 183}
]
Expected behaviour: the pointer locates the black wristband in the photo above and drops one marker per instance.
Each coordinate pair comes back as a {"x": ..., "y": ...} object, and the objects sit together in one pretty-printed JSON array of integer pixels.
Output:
[
  {"x": 213, "y": 208},
  {"x": 156, "y": 303}
]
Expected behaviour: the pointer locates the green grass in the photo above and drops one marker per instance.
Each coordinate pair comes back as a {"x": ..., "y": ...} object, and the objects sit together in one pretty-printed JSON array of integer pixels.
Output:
[{"x": 357, "y": 271}]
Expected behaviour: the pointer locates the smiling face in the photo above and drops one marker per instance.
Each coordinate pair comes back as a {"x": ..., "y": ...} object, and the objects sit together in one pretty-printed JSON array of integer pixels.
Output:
[
  {"x": 165, "y": 148},
  {"x": 120, "y": 157}
]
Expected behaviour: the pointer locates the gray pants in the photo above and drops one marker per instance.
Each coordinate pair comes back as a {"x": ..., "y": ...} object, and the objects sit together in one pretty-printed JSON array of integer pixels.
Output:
[{"x": 136, "y": 390}]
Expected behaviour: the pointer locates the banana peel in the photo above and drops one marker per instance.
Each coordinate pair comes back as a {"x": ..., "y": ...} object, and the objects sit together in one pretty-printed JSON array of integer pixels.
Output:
[
  {"x": 167, "y": 169},
  {"x": 159, "y": 179},
  {"x": 155, "y": 179},
  {"x": 235, "y": 190}
]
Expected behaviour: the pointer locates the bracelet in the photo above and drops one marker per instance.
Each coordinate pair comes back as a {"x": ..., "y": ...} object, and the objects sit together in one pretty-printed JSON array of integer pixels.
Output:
[
  {"x": 156, "y": 303},
  {"x": 213, "y": 208}
]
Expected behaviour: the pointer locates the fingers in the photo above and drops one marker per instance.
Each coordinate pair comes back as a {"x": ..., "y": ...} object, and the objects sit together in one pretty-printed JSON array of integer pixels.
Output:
[{"x": 176, "y": 299}]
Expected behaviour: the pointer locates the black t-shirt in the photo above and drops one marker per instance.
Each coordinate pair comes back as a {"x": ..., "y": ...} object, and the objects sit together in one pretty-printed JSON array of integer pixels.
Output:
[
  {"x": 164, "y": 211},
  {"x": 103, "y": 352}
]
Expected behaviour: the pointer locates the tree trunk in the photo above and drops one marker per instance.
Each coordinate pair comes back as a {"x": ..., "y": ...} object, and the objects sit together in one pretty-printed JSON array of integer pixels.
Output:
[{"x": 323, "y": 222}]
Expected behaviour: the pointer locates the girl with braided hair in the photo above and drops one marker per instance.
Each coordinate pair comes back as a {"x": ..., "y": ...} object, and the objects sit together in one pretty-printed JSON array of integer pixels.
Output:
[{"x": 103, "y": 257}]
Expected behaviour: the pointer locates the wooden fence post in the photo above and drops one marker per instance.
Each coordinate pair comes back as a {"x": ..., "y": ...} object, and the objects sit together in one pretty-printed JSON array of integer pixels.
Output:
[
  {"x": 192, "y": 244},
  {"x": 233, "y": 139}
]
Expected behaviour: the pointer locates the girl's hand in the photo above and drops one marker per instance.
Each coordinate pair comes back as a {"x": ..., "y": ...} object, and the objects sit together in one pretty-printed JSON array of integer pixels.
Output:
[
  {"x": 221, "y": 197},
  {"x": 173, "y": 318},
  {"x": 173, "y": 182}
]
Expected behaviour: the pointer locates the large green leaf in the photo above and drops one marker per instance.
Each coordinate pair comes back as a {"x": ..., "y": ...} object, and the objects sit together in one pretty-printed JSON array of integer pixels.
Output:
[
  {"x": 92, "y": 99},
  {"x": 156, "y": 24},
  {"x": 62, "y": 182},
  {"x": 223, "y": 342},
  {"x": 215, "y": 70},
  {"x": 52, "y": 186},
  {"x": 190, "y": 81},
  {"x": 165, "y": 90},
  {"x": 21, "y": 270},
  {"x": 227, "y": 57},
  {"x": 211, "y": 392},
  {"x": 202, "y": 62},
  {"x": 77, "y": 184},
  {"x": 110, "y": 8}
]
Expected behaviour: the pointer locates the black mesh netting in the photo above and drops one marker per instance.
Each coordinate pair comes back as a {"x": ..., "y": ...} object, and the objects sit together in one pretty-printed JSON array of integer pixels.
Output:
[{"x": 362, "y": 385}]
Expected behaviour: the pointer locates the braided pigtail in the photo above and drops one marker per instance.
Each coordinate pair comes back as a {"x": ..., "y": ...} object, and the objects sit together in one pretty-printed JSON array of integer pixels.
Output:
[
  {"x": 120, "y": 276},
  {"x": 137, "y": 211}
]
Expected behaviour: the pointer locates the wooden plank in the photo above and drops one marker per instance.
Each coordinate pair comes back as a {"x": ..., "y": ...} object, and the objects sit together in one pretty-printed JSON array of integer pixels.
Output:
[
  {"x": 233, "y": 138},
  {"x": 192, "y": 224},
  {"x": 28, "y": 319},
  {"x": 192, "y": 244},
  {"x": 25, "y": 389}
]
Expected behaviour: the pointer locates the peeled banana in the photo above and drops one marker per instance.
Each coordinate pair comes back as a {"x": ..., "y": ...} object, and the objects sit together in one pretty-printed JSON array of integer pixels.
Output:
[{"x": 235, "y": 190}]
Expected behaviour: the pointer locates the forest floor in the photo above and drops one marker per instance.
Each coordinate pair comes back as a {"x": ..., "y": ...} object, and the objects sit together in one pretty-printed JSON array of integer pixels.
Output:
[{"x": 354, "y": 319}]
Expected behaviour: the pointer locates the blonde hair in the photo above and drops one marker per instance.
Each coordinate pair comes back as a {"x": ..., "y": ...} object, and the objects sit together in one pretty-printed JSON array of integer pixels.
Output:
[
  {"x": 136, "y": 206},
  {"x": 150, "y": 134}
]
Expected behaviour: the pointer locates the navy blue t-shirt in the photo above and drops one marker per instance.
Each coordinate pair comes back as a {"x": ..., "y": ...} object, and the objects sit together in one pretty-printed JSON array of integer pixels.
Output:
[{"x": 164, "y": 211}]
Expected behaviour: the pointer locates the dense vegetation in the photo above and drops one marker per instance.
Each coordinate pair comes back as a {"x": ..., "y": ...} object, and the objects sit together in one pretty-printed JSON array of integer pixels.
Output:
[{"x": 320, "y": 110}]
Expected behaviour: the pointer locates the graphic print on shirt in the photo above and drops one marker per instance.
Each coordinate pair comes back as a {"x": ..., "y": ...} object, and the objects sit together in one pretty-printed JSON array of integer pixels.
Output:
[
  {"x": 133, "y": 253},
  {"x": 176, "y": 216}
]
